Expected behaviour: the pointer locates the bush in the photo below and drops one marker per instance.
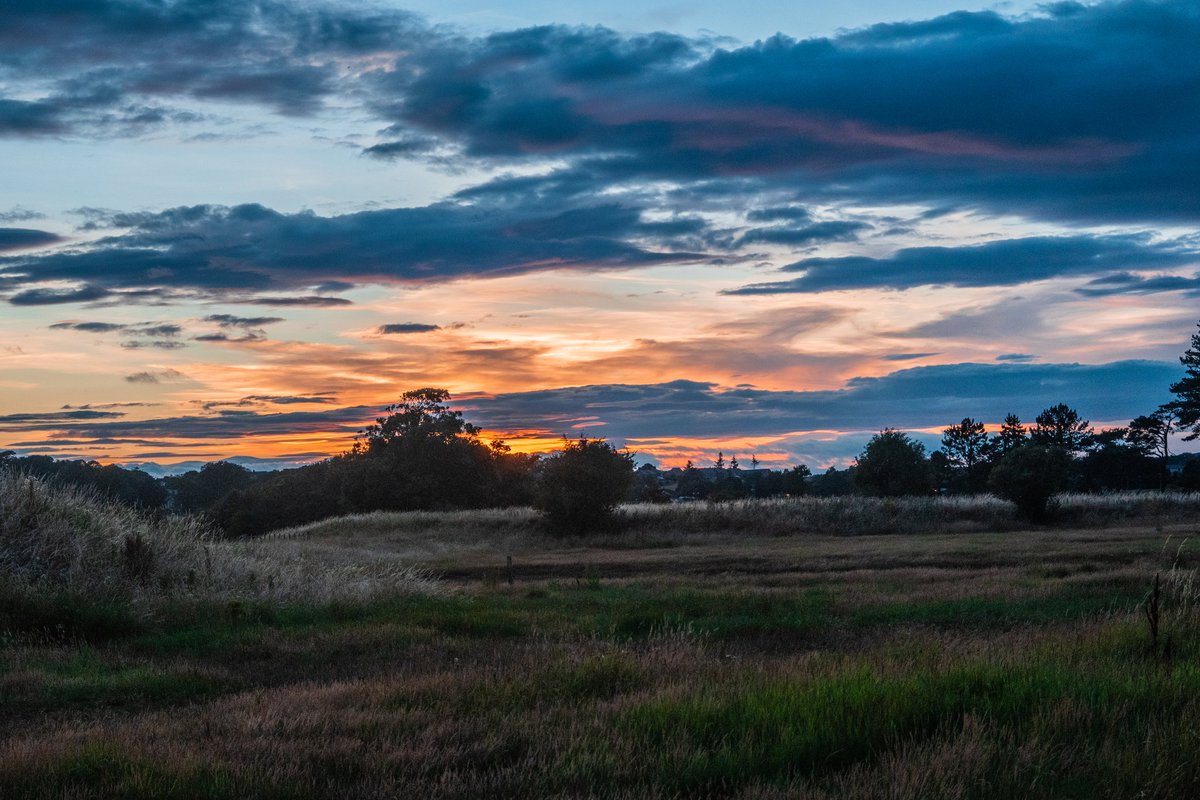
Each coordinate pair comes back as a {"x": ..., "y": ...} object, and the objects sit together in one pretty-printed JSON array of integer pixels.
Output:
[
  {"x": 893, "y": 465},
  {"x": 1030, "y": 476},
  {"x": 579, "y": 487}
]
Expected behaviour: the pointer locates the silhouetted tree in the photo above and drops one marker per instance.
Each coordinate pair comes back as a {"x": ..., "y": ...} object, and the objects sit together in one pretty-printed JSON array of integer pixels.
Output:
[
  {"x": 513, "y": 475},
  {"x": 727, "y": 487},
  {"x": 1150, "y": 435},
  {"x": 1186, "y": 404},
  {"x": 579, "y": 487},
  {"x": 965, "y": 446},
  {"x": 1011, "y": 436},
  {"x": 1061, "y": 426},
  {"x": 1114, "y": 463},
  {"x": 892, "y": 464},
  {"x": 1030, "y": 477},
  {"x": 795, "y": 480},
  {"x": 203, "y": 490},
  {"x": 421, "y": 456},
  {"x": 692, "y": 483},
  {"x": 421, "y": 414},
  {"x": 941, "y": 471},
  {"x": 1189, "y": 476},
  {"x": 647, "y": 486},
  {"x": 834, "y": 482},
  {"x": 130, "y": 486}
]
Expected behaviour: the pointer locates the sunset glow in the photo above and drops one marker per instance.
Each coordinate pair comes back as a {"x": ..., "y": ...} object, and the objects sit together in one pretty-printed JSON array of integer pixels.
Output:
[{"x": 220, "y": 238}]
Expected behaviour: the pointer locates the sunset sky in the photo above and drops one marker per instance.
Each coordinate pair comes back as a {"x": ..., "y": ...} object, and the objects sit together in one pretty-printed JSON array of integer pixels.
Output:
[{"x": 240, "y": 228}]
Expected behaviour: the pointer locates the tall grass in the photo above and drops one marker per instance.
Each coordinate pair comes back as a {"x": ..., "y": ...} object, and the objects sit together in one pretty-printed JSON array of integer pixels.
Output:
[
  {"x": 873, "y": 515},
  {"x": 428, "y": 532},
  {"x": 63, "y": 541}
]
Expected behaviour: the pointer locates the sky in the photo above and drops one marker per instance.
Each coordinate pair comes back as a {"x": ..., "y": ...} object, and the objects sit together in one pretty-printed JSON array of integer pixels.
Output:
[{"x": 241, "y": 228}]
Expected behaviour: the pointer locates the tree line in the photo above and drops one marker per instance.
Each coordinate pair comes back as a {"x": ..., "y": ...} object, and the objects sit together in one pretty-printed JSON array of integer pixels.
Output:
[
  {"x": 422, "y": 455},
  {"x": 1060, "y": 451}
]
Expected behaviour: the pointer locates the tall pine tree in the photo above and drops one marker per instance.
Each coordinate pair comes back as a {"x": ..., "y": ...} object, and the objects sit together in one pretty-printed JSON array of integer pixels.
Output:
[
  {"x": 1187, "y": 390},
  {"x": 1012, "y": 435}
]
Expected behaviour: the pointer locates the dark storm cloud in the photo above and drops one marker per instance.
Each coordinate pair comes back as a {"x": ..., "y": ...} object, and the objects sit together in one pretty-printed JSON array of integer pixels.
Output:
[
  {"x": 1072, "y": 112},
  {"x": 163, "y": 330},
  {"x": 1000, "y": 263},
  {"x": 155, "y": 377},
  {"x": 917, "y": 397},
  {"x": 406, "y": 327},
  {"x": 248, "y": 336},
  {"x": 313, "y": 301},
  {"x": 48, "y": 297},
  {"x": 14, "y": 422},
  {"x": 25, "y": 118},
  {"x": 233, "y": 321},
  {"x": 406, "y": 147},
  {"x": 908, "y": 356},
  {"x": 90, "y": 406},
  {"x": 21, "y": 238},
  {"x": 161, "y": 344},
  {"x": 221, "y": 250},
  {"x": 89, "y": 327},
  {"x": 829, "y": 231},
  {"x": 276, "y": 54},
  {"x": 779, "y": 214},
  {"x": 1129, "y": 283},
  {"x": 912, "y": 398},
  {"x": 270, "y": 399},
  {"x": 20, "y": 214},
  {"x": 227, "y": 424}
]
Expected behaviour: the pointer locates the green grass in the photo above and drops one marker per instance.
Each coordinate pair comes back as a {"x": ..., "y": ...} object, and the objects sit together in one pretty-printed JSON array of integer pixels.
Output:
[
  {"x": 104, "y": 771},
  {"x": 950, "y": 666},
  {"x": 615, "y": 613},
  {"x": 983, "y": 613},
  {"x": 780, "y": 728},
  {"x": 90, "y": 677}
]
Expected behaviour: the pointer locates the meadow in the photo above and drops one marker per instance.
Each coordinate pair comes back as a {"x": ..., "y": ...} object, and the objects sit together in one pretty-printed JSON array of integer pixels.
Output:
[{"x": 812, "y": 648}]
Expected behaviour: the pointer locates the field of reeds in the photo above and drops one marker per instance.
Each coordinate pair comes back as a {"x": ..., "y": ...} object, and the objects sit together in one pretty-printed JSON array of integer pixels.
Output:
[{"x": 806, "y": 648}]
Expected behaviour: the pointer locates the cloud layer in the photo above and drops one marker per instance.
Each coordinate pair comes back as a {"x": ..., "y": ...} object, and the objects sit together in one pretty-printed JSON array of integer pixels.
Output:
[
  {"x": 945, "y": 190},
  {"x": 652, "y": 416}
]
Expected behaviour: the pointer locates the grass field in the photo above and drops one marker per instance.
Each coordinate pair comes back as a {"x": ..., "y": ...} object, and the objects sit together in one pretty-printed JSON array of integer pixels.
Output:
[{"x": 678, "y": 660}]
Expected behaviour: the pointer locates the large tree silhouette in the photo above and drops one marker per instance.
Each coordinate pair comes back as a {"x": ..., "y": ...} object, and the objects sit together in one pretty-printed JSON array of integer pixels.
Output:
[
  {"x": 1061, "y": 426},
  {"x": 892, "y": 464},
  {"x": 579, "y": 487},
  {"x": 965, "y": 446},
  {"x": 1186, "y": 404},
  {"x": 1011, "y": 436}
]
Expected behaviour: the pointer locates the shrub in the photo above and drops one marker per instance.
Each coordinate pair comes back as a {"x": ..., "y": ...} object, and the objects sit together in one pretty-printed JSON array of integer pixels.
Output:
[
  {"x": 1030, "y": 476},
  {"x": 579, "y": 487},
  {"x": 892, "y": 465}
]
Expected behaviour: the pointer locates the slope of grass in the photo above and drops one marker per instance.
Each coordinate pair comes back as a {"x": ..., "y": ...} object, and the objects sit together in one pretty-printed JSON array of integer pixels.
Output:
[{"x": 72, "y": 561}]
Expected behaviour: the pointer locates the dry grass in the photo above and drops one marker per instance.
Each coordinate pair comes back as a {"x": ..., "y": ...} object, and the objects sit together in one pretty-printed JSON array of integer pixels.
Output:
[
  {"x": 698, "y": 662},
  {"x": 64, "y": 540},
  {"x": 428, "y": 534}
]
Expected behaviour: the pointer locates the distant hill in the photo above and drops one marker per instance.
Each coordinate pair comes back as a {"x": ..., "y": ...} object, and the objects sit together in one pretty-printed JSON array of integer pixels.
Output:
[{"x": 249, "y": 462}]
